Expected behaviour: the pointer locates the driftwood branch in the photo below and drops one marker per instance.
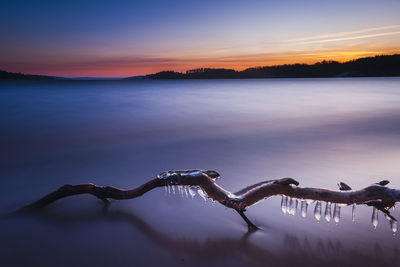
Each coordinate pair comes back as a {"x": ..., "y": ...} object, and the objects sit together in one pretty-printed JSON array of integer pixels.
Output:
[{"x": 376, "y": 195}]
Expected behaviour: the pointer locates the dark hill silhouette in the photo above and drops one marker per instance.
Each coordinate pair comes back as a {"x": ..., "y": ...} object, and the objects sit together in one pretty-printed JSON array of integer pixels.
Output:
[
  {"x": 164, "y": 75},
  {"x": 5, "y": 75},
  {"x": 378, "y": 66}
]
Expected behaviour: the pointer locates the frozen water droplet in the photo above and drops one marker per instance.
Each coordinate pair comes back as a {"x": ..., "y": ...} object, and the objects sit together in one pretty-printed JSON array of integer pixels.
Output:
[
  {"x": 353, "y": 213},
  {"x": 304, "y": 207},
  {"x": 284, "y": 203},
  {"x": 317, "y": 211},
  {"x": 201, "y": 193},
  {"x": 336, "y": 213},
  {"x": 192, "y": 191},
  {"x": 393, "y": 226},
  {"x": 374, "y": 218},
  {"x": 328, "y": 212}
]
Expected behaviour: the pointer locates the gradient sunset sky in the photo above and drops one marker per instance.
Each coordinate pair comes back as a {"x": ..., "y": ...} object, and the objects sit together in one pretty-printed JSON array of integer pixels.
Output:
[{"x": 125, "y": 38}]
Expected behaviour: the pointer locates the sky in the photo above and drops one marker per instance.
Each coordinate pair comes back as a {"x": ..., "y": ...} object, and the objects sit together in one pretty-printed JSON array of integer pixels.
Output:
[{"x": 127, "y": 38}]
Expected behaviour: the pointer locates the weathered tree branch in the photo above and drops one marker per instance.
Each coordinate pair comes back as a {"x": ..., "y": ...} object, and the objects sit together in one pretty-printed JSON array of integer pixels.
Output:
[{"x": 376, "y": 195}]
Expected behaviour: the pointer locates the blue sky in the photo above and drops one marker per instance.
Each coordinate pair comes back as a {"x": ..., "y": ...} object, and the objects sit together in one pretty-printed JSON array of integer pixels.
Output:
[{"x": 122, "y": 38}]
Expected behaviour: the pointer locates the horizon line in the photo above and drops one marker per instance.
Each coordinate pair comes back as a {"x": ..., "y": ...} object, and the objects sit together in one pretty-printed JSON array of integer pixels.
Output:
[{"x": 185, "y": 71}]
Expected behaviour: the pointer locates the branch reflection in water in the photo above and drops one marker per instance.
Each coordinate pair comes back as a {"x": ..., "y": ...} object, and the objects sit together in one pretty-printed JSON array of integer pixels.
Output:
[{"x": 212, "y": 251}]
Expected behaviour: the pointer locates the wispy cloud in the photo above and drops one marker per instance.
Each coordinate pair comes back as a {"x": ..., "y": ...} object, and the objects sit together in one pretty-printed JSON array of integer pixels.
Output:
[
  {"x": 350, "y": 35},
  {"x": 340, "y": 34}
]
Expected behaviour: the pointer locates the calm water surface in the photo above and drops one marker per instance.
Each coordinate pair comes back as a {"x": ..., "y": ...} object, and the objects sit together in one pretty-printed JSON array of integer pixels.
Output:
[{"x": 318, "y": 131}]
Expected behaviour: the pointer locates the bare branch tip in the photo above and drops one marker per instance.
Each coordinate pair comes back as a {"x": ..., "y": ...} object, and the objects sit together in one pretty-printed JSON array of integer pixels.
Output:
[{"x": 343, "y": 186}]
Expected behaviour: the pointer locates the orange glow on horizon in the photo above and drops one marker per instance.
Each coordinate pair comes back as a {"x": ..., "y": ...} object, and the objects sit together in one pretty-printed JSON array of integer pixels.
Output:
[{"x": 127, "y": 68}]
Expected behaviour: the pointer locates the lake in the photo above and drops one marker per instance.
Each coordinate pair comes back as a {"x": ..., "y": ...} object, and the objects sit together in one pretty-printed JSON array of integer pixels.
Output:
[{"x": 318, "y": 131}]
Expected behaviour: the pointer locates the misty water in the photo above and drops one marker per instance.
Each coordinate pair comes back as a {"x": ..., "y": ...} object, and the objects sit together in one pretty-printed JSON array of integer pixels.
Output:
[{"x": 318, "y": 131}]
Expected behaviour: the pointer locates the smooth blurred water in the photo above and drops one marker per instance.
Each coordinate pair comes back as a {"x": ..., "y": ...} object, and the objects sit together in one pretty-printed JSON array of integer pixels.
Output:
[{"x": 318, "y": 131}]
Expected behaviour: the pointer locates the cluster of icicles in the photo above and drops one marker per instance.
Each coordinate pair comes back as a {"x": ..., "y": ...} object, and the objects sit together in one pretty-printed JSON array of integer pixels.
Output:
[
  {"x": 289, "y": 206},
  {"x": 185, "y": 190}
]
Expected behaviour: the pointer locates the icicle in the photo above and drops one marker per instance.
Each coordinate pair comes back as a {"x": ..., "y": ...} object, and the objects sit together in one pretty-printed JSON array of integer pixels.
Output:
[
  {"x": 173, "y": 189},
  {"x": 169, "y": 190},
  {"x": 192, "y": 191},
  {"x": 166, "y": 190},
  {"x": 293, "y": 206},
  {"x": 284, "y": 203},
  {"x": 288, "y": 203},
  {"x": 290, "y": 206},
  {"x": 353, "y": 213},
  {"x": 393, "y": 225},
  {"x": 202, "y": 194},
  {"x": 336, "y": 213},
  {"x": 374, "y": 218},
  {"x": 181, "y": 190},
  {"x": 185, "y": 188},
  {"x": 304, "y": 207},
  {"x": 328, "y": 212},
  {"x": 317, "y": 211}
]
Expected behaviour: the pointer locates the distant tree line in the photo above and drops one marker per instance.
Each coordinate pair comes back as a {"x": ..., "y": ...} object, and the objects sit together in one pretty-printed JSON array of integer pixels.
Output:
[{"x": 378, "y": 66}]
